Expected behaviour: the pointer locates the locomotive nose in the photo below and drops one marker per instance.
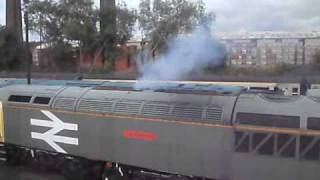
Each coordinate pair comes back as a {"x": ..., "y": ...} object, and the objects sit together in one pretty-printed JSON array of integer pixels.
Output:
[{"x": 1, "y": 124}]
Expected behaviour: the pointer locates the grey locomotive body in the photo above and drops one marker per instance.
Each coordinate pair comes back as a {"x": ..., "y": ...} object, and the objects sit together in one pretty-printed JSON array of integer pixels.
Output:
[{"x": 233, "y": 136}]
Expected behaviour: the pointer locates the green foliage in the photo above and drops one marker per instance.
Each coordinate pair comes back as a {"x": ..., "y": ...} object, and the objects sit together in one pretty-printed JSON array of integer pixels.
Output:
[
  {"x": 282, "y": 68},
  {"x": 11, "y": 52},
  {"x": 62, "y": 55},
  {"x": 45, "y": 18},
  {"x": 77, "y": 20},
  {"x": 71, "y": 20},
  {"x": 126, "y": 19},
  {"x": 161, "y": 20},
  {"x": 66, "y": 20}
]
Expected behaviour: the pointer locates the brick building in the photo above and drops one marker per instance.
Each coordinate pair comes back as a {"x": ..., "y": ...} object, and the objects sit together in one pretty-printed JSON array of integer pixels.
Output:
[{"x": 270, "y": 48}]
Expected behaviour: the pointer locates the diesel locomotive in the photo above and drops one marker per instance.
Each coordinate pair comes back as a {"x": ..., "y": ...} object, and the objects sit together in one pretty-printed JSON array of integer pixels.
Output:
[{"x": 179, "y": 132}]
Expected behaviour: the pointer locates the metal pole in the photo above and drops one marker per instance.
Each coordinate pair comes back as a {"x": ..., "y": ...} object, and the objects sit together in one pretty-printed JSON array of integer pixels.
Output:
[
  {"x": 28, "y": 54},
  {"x": 80, "y": 58}
]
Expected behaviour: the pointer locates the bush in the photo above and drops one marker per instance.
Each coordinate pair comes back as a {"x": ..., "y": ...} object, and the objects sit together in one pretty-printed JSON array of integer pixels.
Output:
[
  {"x": 281, "y": 69},
  {"x": 62, "y": 56}
]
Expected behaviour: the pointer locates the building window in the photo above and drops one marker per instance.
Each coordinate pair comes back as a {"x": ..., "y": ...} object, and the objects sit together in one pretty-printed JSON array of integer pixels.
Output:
[{"x": 234, "y": 50}]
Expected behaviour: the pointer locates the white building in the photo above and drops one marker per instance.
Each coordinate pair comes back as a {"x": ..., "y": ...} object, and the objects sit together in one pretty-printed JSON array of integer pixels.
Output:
[{"x": 270, "y": 48}]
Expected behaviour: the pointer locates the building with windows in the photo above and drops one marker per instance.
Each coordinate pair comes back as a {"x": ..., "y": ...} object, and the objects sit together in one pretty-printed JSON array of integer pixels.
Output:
[{"x": 270, "y": 48}]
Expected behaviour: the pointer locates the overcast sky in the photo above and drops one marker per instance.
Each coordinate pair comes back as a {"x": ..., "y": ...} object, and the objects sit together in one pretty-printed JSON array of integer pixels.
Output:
[
  {"x": 2, "y": 12},
  {"x": 253, "y": 15}
]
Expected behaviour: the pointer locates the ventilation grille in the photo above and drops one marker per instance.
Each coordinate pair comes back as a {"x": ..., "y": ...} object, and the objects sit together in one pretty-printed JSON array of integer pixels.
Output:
[
  {"x": 156, "y": 110},
  {"x": 279, "y": 99},
  {"x": 96, "y": 106},
  {"x": 214, "y": 114},
  {"x": 148, "y": 109},
  {"x": 187, "y": 112},
  {"x": 127, "y": 108},
  {"x": 65, "y": 103}
]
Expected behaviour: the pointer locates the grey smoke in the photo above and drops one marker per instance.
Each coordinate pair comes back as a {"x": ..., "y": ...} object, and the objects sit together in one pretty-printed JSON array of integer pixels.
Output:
[{"x": 186, "y": 54}]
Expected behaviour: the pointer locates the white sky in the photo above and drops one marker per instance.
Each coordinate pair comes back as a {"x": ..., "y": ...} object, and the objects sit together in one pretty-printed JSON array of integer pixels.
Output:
[
  {"x": 2, "y": 12},
  {"x": 253, "y": 15}
]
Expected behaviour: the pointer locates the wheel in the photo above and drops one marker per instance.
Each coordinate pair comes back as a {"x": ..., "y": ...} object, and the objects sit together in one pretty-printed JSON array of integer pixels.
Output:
[
  {"x": 74, "y": 170},
  {"x": 95, "y": 170},
  {"x": 13, "y": 156},
  {"x": 119, "y": 177},
  {"x": 42, "y": 161}
]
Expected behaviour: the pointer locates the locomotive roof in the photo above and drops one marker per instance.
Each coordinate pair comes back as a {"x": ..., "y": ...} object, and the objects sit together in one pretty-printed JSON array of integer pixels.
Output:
[
  {"x": 166, "y": 87},
  {"x": 77, "y": 83},
  {"x": 169, "y": 87}
]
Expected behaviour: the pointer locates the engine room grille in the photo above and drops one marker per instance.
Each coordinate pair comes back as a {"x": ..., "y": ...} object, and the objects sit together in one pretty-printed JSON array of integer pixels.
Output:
[
  {"x": 156, "y": 110},
  {"x": 214, "y": 114},
  {"x": 279, "y": 99},
  {"x": 187, "y": 112},
  {"x": 96, "y": 106},
  {"x": 64, "y": 103},
  {"x": 152, "y": 109},
  {"x": 128, "y": 108}
]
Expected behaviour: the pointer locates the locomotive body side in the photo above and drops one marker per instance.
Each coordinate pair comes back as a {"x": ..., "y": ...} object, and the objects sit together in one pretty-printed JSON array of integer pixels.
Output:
[
  {"x": 246, "y": 137},
  {"x": 176, "y": 133},
  {"x": 277, "y": 136}
]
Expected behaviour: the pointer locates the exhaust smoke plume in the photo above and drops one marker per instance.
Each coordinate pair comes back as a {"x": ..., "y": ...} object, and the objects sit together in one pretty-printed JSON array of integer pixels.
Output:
[{"x": 186, "y": 54}]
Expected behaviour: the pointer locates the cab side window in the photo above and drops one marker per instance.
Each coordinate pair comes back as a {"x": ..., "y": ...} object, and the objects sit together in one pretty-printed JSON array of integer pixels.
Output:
[
  {"x": 41, "y": 100},
  {"x": 20, "y": 98}
]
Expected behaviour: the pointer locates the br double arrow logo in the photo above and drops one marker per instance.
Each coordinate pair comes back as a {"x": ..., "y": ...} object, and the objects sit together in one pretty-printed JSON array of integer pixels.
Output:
[{"x": 56, "y": 126}]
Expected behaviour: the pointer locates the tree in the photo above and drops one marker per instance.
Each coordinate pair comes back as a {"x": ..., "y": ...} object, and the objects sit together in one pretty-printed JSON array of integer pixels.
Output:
[
  {"x": 108, "y": 17},
  {"x": 117, "y": 24},
  {"x": 66, "y": 21},
  {"x": 11, "y": 40},
  {"x": 160, "y": 20},
  {"x": 79, "y": 21},
  {"x": 125, "y": 22},
  {"x": 46, "y": 20},
  {"x": 61, "y": 56},
  {"x": 11, "y": 51}
]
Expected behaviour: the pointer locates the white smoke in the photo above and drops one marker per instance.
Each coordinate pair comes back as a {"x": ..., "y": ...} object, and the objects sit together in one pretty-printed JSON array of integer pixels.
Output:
[{"x": 185, "y": 54}]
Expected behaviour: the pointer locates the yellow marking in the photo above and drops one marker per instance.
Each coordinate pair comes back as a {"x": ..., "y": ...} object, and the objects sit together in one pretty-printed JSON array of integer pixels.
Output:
[
  {"x": 1, "y": 124},
  {"x": 246, "y": 128},
  {"x": 297, "y": 132}
]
